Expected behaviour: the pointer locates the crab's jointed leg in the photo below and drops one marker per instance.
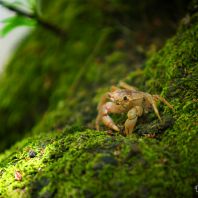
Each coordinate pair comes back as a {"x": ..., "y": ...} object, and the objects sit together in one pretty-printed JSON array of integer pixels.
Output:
[
  {"x": 114, "y": 88},
  {"x": 132, "y": 115},
  {"x": 151, "y": 100},
  {"x": 98, "y": 118},
  {"x": 127, "y": 86},
  {"x": 157, "y": 98},
  {"x": 99, "y": 107}
]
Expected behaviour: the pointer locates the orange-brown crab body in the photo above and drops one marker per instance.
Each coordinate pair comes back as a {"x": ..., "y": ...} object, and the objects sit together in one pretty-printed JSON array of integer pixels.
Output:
[{"x": 127, "y": 100}]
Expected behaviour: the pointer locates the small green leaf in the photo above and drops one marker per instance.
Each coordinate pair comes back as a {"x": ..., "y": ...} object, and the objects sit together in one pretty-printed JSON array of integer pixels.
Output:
[
  {"x": 6, "y": 29},
  {"x": 16, "y": 21}
]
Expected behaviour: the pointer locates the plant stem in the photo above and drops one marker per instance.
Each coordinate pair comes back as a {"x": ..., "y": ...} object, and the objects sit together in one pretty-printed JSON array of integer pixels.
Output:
[{"x": 47, "y": 25}]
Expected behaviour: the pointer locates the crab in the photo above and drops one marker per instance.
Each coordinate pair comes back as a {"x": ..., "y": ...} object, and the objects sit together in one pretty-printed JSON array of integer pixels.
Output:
[{"x": 126, "y": 99}]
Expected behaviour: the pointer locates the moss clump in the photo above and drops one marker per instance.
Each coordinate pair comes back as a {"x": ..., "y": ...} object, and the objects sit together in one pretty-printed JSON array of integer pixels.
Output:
[
  {"x": 70, "y": 158},
  {"x": 87, "y": 163}
]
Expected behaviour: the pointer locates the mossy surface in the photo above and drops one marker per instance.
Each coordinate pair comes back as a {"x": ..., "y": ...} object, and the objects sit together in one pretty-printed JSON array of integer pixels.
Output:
[{"x": 62, "y": 155}]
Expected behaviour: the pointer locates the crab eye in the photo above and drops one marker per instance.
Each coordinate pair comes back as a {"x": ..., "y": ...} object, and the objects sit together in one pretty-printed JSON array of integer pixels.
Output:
[{"x": 125, "y": 98}]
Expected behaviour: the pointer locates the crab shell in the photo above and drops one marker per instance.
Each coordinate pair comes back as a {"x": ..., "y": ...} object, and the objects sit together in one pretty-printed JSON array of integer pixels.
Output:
[{"x": 129, "y": 99}]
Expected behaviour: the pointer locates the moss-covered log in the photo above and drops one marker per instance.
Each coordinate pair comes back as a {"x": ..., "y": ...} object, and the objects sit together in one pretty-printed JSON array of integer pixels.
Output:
[{"x": 55, "y": 101}]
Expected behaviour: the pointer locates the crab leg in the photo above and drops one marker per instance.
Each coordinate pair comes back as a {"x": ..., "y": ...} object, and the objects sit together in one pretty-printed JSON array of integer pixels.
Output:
[
  {"x": 151, "y": 100},
  {"x": 98, "y": 122},
  {"x": 99, "y": 107},
  {"x": 126, "y": 86},
  {"x": 132, "y": 119},
  {"x": 114, "y": 88},
  {"x": 157, "y": 97}
]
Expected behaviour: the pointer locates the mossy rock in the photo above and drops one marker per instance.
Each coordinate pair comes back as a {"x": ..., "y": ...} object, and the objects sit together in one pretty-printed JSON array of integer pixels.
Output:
[{"x": 64, "y": 156}]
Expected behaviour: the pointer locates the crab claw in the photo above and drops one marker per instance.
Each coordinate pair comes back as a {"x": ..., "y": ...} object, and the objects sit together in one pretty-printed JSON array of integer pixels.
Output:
[
  {"x": 104, "y": 117},
  {"x": 109, "y": 122}
]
